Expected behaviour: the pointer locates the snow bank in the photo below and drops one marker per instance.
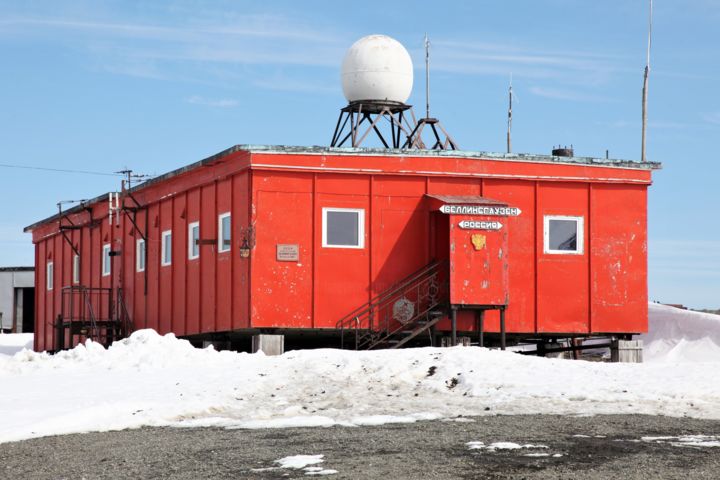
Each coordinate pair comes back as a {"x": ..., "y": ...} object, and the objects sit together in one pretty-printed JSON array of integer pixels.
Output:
[
  {"x": 681, "y": 336},
  {"x": 11, "y": 343},
  {"x": 156, "y": 380}
]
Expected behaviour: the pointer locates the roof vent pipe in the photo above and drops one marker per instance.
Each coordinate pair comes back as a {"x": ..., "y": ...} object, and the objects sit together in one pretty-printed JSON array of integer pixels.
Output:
[{"x": 561, "y": 151}]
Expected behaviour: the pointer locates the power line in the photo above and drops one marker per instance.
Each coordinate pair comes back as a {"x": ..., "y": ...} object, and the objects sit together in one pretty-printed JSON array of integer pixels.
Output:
[{"x": 61, "y": 170}]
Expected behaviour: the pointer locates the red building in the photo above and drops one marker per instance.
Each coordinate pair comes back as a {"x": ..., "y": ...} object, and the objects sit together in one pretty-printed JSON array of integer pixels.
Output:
[{"x": 383, "y": 245}]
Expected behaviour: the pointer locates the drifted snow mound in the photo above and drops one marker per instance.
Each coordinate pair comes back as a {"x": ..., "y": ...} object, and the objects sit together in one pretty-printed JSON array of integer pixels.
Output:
[
  {"x": 153, "y": 380},
  {"x": 681, "y": 336},
  {"x": 11, "y": 343}
]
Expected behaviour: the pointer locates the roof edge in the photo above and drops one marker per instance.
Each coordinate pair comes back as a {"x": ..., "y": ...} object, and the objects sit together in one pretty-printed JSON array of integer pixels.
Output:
[
  {"x": 470, "y": 154},
  {"x": 321, "y": 150}
]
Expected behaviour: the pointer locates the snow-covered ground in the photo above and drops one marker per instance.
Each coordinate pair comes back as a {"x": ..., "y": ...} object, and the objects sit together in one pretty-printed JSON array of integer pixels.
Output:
[
  {"x": 10, "y": 344},
  {"x": 156, "y": 380},
  {"x": 677, "y": 335}
]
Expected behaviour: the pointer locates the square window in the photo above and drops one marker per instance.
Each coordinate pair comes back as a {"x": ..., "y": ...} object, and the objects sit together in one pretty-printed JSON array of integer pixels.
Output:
[
  {"x": 76, "y": 268},
  {"x": 140, "y": 255},
  {"x": 50, "y": 277},
  {"x": 343, "y": 228},
  {"x": 106, "y": 264},
  {"x": 193, "y": 240},
  {"x": 166, "y": 248},
  {"x": 563, "y": 235},
  {"x": 224, "y": 232}
]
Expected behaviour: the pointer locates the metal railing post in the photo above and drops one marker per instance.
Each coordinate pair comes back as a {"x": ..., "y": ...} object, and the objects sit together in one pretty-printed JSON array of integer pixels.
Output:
[{"x": 502, "y": 328}]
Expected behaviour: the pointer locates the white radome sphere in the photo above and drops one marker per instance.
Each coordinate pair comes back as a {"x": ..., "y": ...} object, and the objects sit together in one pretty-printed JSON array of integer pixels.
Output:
[{"x": 377, "y": 67}]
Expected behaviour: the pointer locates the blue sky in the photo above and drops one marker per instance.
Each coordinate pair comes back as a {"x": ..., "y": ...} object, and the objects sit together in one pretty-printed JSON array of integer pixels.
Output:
[{"x": 103, "y": 85}]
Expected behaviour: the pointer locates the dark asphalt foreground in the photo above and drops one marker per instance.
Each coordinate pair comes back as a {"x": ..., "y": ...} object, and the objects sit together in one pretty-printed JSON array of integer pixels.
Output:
[{"x": 425, "y": 450}]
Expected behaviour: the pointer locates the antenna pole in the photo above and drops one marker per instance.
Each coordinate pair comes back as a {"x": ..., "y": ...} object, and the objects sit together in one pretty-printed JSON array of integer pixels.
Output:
[
  {"x": 645, "y": 87},
  {"x": 509, "y": 123},
  {"x": 427, "y": 76}
]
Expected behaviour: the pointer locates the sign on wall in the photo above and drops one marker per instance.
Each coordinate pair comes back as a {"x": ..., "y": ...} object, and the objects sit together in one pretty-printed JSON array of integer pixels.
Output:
[
  {"x": 288, "y": 252},
  {"x": 481, "y": 210},
  {"x": 480, "y": 225}
]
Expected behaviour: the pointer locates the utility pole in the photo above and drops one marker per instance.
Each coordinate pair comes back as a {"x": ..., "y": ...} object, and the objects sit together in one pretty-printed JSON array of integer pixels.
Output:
[
  {"x": 645, "y": 88},
  {"x": 427, "y": 76},
  {"x": 509, "y": 121}
]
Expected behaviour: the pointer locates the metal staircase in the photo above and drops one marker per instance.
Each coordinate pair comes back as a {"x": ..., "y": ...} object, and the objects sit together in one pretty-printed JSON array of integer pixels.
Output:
[
  {"x": 92, "y": 313},
  {"x": 401, "y": 313}
]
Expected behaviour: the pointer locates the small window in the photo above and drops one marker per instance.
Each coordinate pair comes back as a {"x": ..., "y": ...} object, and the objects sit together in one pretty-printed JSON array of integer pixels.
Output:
[
  {"x": 50, "y": 276},
  {"x": 106, "y": 264},
  {"x": 564, "y": 235},
  {"x": 140, "y": 255},
  {"x": 224, "y": 232},
  {"x": 194, "y": 240},
  {"x": 343, "y": 228},
  {"x": 76, "y": 268},
  {"x": 166, "y": 248}
]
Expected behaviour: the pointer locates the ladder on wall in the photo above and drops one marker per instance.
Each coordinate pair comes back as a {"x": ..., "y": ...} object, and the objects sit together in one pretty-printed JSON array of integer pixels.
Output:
[{"x": 401, "y": 313}]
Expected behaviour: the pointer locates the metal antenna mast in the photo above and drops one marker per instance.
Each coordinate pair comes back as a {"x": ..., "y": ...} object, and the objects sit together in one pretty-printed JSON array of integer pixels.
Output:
[
  {"x": 645, "y": 86},
  {"x": 509, "y": 124},
  {"x": 427, "y": 76}
]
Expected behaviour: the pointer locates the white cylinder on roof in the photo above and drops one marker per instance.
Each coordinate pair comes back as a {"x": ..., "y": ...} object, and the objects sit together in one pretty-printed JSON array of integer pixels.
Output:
[{"x": 377, "y": 67}]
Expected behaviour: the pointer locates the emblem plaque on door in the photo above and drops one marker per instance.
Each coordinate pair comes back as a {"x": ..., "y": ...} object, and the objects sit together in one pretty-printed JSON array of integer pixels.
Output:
[{"x": 479, "y": 241}]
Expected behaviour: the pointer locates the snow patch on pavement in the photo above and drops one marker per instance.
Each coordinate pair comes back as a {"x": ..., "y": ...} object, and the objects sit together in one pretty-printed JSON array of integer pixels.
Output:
[
  {"x": 501, "y": 446},
  {"x": 299, "y": 461},
  {"x": 687, "y": 440},
  {"x": 513, "y": 447},
  {"x": 303, "y": 462}
]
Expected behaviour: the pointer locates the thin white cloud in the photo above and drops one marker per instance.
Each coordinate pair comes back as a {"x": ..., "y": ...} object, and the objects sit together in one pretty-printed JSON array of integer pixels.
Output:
[
  {"x": 713, "y": 118},
  {"x": 208, "y": 102},
  {"x": 252, "y": 26},
  {"x": 590, "y": 68},
  {"x": 171, "y": 51},
  {"x": 689, "y": 247},
  {"x": 656, "y": 124},
  {"x": 685, "y": 257},
  {"x": 567, "y": 94},
  {"x": 291, "y": 85}
]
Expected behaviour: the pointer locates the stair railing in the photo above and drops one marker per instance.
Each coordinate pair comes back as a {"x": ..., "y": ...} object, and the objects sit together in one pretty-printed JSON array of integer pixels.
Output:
[
  {"x": 397, "y": 307},
  {"x": 123, "y": 315},
  {"x": 97, "y": 313}
]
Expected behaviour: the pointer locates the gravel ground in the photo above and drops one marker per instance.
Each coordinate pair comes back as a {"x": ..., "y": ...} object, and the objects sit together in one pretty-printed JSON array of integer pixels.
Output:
[{"x": 610, "y": 447}]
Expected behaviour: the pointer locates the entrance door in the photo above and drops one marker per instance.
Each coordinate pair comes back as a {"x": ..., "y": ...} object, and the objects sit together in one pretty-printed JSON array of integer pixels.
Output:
[{"x": 478, "y": 261}]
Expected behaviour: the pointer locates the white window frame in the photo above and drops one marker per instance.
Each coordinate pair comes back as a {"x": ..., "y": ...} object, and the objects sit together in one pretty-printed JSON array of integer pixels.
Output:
[
  {"x": 163, "y": 253},
  {"x": 76, "y": 269},
  {"x": 191, "y": 254},
  {"x": 361, "y": 227},
  {"x": 221, "y": 247},
  {"x": 140, "y": 255},
  {"x": 580, "y": 240},
  {"x": 49, "y": 276},
  {"x": 106, "y": 263}
]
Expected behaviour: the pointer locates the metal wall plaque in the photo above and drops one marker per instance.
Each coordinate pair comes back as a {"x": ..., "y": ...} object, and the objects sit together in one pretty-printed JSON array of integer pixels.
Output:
[{"x": 288, "y": 252}]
